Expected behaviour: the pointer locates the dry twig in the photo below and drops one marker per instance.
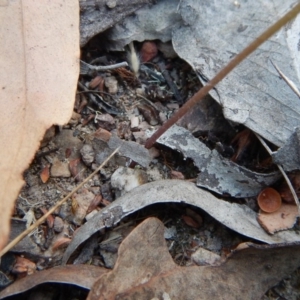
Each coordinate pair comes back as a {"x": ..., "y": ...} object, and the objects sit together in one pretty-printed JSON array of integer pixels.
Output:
[{"x": 50, "y": 211}]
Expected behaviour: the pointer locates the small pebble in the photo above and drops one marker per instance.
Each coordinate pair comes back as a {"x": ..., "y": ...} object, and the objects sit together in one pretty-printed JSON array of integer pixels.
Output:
[
  {"x": 60, "y": 168},
  {"x": 134, "y": 122},
  {"x": 112, "y": 84},
  {"x": 58, "y": 225},
  {"x": 87, "y": 154}
]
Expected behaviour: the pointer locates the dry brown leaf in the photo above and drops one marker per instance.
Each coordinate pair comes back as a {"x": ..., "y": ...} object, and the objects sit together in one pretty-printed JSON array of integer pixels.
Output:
[
  {"x": 80, "y": 275},
  {"x": 45, "y": 174},
  {"x": 145, "y": 270},
  {"x": 40, "y": 44}
]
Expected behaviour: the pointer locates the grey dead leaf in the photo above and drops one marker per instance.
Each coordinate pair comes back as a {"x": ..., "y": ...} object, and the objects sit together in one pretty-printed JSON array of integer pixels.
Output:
[
  {"x": 79, "y": 275},
  {"x": 253, "y": 94},
  {"x": 97, "y": 16},
  {"x": 38, "y": 84},
  {"x": 216, "y": 173},
  {"x": 239, "y": 218},
  {"x": 151, "y": 272},
  {"x": 289, "y": 154},
  {"x": 207, "y": 36}
]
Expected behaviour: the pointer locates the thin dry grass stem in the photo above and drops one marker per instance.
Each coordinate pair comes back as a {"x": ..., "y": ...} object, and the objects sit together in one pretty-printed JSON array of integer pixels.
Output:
[
  {"x": 282, "y": 172},
  {"x": 290, "y": 83},
  {"x": 223, "y": 73},
  {"x": 43, "y": 218}
]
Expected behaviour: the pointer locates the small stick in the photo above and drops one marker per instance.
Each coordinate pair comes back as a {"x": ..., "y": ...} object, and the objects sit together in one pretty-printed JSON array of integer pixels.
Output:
[
  {"x": 282, "y": 172},
  {"x": 85, "y": 67},
  {"x": 50, "y": 211},
  {"x": 290, "y": 83},
  {"x": 223, "y": 73}
]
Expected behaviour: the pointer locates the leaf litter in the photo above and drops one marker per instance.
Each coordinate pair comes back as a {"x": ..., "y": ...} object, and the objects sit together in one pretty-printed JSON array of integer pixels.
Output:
[{"x": 110, "y": 216}]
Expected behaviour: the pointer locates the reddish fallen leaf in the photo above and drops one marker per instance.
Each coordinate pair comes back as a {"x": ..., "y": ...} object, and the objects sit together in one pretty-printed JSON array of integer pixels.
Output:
[
  {"x": 194, "y": 216},
  {"x": 88, "y": 119},
  {"x": 50, "y": 219},
  {"x": 45, "y": 174},
  {"x": 68, "y": 152},
  {"x": 148, "y": 51},
  {"x": 96, "y": 201},
  {"x": 43, "y": 96},
  {"x": 105, "y": 202},
  {"x": 177, "y": 175},
  {"x": 190, "y": 221},
  {"x": 83, "y": 104},
  {"x": 96, "y": 82},
  {"x": 61, "y": 243},
  {"x": 151, "y": 272},
  {"x": 102, "y": 134},
  {"x": 242, "y": 140},
  {"x": 23, "y": 267},
  {"x": 80, "y": 275},
  {"x": 76, "y": 168}
]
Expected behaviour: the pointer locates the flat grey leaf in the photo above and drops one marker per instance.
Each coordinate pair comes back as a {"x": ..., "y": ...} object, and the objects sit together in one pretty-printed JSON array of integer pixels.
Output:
[
  {"x": 148, "y": 23},
  {"x": 289, "y": 155},
  {"x": 253, "y": 94},
  {"x": 97, "y": 15},
  {"x": 239, "y": 218},
  {"x": 216, "y": 173},
  {"x": 208, "y": 34}
]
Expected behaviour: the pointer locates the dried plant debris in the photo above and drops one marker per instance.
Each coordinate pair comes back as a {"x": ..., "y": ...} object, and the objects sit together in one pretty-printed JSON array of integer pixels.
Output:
[
  {"x": 79, "y": 275},
  {"x": 216, "y": 173},
  {"x": 97, "y": 16},
  {"x": 151, "y": 272},
  {"x": 239, "y": 218}
]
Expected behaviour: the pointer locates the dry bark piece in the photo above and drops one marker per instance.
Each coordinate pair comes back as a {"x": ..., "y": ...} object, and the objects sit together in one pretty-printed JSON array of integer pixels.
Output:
[
  {"x": 269, "y": 200},
  {"x": 284, "y": 218},
  {"x": 34, "y": 51},
  {"x": 237, "y": 217},
  {"x": 79, "y": 275},
  {"x": 216, "y": 172},
  {"x": 151, "y": 272}
]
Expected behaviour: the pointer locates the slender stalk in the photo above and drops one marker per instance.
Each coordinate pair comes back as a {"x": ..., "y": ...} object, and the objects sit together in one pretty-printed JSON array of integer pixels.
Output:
[
  {"x": 50, "y": 211},
  {"x": 223, "y": 73}
]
